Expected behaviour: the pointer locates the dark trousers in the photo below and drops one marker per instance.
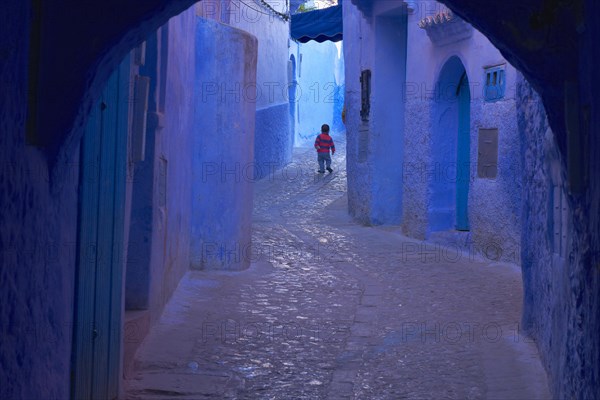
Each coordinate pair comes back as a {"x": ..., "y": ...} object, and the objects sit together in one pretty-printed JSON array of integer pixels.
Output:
[{"x": 324, "y": 159}]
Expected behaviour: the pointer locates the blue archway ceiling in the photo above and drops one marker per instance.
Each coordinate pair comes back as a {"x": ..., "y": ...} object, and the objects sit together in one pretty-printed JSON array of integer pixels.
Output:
[
  {"x": 318, "y": 25},
  {"x": 540, "y": 37}
]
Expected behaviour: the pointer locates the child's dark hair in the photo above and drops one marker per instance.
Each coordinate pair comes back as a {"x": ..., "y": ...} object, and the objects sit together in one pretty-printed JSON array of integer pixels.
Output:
[{"x": 325, "y": 128}]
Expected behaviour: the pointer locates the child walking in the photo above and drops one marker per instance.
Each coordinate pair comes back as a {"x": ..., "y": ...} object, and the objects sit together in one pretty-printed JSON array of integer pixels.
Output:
[{"x": 323, "y": 144}]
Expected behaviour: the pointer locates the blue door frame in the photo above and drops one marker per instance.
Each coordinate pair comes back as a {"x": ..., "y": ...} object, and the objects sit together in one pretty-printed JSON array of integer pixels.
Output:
[{"x": 100, "y": 260}]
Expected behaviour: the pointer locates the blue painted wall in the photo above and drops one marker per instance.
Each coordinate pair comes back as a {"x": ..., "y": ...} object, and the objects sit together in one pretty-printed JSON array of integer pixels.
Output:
[
  {"x": 38, "y": 220},
  {"x": 561, "y": 308},
  {"x": 359, "y": 173},
  {"x": 375, "y": 147},
  {"x": 161, "y": 204},
  {"x": 37, "y": 249},
  {"x": 223, "y": 148},
  {"x": 387, "y": 126},
  {"x": 144, "y": 201},
  {"x": 430, "y": 164},
  {"x": 292, "y": 91},
  {"x": 38, "y": 200},
  {"x": 273, "y": 141},
  {"x": 270, "y": 92}
]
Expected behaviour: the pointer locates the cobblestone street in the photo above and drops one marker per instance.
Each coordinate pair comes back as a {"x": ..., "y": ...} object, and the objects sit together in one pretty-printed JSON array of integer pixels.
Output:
[{"x": 333, "y": 310}]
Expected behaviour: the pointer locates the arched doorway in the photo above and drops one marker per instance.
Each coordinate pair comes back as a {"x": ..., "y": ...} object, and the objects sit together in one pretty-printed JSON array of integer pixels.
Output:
[{"x": 450, "y": 150}]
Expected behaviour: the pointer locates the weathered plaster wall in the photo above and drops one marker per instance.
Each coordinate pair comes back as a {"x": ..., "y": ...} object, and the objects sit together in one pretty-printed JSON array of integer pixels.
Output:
[
  {"x": 223, "y": 148},
  {"x": 494, "y": 204},
  {"x": 375, "y": 146},
  {"x": 387, "y": 121},
  {"x": 293, "y": 73},
  {"x": 543, "y": 271},
  {"x": 417, "y": 130},
  {"x": 142, "y": 230},
  {"x": 159, "y": 239},
  {"x": 273, "y": 139},
  {"x": 357, "y": 56},
  {"x": 38, "y": 214},
  {"x": 175, "y": 141},
  {"x": 561, "y": 306},
  {"x": 39, "y": 207}
]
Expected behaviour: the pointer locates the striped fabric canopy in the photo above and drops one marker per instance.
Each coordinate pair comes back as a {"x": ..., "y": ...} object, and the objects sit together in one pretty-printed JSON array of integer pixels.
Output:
[{"x": 318, "y": 25}]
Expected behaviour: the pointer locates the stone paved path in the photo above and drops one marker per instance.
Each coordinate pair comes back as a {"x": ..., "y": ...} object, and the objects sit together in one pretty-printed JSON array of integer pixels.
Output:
[{"x": 333, "y": 310}]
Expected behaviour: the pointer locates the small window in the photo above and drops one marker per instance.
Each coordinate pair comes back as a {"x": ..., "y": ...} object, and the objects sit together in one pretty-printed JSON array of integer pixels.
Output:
[{"x": 495, "y": 83}]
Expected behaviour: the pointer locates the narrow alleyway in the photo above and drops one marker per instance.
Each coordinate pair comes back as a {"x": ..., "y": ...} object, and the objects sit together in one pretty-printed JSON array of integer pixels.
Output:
[{"x": 331, "y": 309}]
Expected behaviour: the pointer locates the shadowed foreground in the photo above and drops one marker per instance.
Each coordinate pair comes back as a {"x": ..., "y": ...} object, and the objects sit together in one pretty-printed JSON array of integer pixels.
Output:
[{"x": 331, "y": 309}]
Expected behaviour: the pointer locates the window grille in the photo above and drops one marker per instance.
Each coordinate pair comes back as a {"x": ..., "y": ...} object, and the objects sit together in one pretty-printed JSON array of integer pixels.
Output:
[{"x": 495, "y": 83}]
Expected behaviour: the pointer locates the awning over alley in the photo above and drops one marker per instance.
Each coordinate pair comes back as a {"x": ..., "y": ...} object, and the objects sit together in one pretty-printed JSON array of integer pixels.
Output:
[{"x": 318, "y": 25}]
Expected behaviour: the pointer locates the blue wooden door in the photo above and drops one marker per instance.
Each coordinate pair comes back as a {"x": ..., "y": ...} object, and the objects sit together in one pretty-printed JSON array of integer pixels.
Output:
[
  {"x": 463, "y": 156},
  {"x": 100, "y": 262}
]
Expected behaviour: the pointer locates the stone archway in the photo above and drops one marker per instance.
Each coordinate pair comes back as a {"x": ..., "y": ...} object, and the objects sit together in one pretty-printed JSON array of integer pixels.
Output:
[{"x": 450, "y": 149}]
